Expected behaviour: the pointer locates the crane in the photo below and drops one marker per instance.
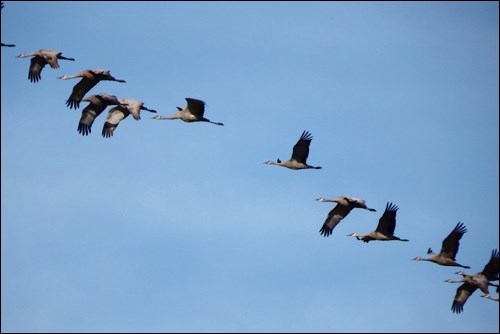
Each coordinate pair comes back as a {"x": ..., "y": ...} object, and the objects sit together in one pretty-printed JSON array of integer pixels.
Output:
[
  {"x": 193, "y": 112},
  {"x": 385, "y": 227},
  {"x": 39, "y": 59},
  {"x": 97, "y": 104},
  {"x": 120, "y": 112},
  {"x": 480, "y": 280},
  {"x": 344, "y": 205},
  {"x": 449, "y": 249},
  {"x": 90, "y": 78},
  {"x": 299, "y": 156}
]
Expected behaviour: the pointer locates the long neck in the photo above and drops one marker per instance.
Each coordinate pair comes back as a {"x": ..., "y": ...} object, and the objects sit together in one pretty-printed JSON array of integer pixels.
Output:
[
  {"x": 159, "y": 117},
  {"x": 487, "y": 296},
  {"x": 66, "y": 77},
  {"x": 270, "y": 162},
  {"x": 147, "y": 109},
  {"x": 454, "y": 281},
  {"x": 23, "y": 55}
]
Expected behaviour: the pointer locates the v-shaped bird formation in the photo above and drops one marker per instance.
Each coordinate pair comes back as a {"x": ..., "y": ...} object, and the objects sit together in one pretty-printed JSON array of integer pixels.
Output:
[{"x": 194, "y": 111}]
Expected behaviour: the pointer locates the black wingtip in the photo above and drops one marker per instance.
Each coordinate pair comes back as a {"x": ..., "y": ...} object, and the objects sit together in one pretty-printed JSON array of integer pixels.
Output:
[
  {"x": 325, "y": 231},
  {"x": 72, "y": 104},
  {"x": 306, "y": 135},
  {"x": 460, "y": 228}
]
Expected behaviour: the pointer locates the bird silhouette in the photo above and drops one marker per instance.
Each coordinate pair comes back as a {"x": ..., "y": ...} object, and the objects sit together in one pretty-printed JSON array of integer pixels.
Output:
[
  {"x": 344, "y": 206},
  {"x": 39, "y": 59},
  {"x": 385, "y": 228},
  {"x": 90, "y": 78},
  {"x": 299, "y": 156},
  {"x": 193, "y": 112}
]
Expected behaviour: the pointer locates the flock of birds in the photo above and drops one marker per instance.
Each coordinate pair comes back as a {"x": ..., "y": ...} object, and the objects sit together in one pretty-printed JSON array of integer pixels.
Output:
[{"x": 194, "y": 112}]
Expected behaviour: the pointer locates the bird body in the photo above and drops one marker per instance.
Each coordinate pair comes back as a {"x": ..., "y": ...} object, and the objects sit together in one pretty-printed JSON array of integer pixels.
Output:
[
  {"x": 385, "y": 227},
  {"x": 120, "y": 112},
  {"x": 449, "y": 249},
  {"x": 299, "y": 156},
  {"x": 90, "y": 78},
  {"x": 97, "y": 104},
  {"x": 193, "y": 112},
  {"x": 39, "y": 59},
  {"x": 471, "y": 283},
  {"x": 344, "y": 206}
]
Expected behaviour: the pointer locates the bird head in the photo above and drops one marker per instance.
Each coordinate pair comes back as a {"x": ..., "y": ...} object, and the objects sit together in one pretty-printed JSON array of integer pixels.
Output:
[
  {"x": 355, "y": 235},
  {"x": 417, "y": 258}
]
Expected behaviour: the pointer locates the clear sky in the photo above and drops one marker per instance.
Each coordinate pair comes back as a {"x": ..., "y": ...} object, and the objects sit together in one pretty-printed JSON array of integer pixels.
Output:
[{"x": 171, "y": 226}]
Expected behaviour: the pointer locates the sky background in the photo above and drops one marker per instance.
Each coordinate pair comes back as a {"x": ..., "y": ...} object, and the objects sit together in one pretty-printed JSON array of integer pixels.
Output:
[{"x": 179, "y": 227}]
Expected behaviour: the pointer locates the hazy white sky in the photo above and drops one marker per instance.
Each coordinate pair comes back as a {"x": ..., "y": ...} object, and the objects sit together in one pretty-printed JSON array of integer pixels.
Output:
[{"x": 176, "y": 227}]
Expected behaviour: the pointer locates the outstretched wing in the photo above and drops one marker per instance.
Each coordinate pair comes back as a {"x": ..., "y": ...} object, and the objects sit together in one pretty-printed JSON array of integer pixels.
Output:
[
  {"x": 387, "y": 223},
  {"x": 301, "y": 148},
  {"x": 451, "y": 243},
  {"x": 196, "y": 107},
  {"x": 492, "y": 267}
]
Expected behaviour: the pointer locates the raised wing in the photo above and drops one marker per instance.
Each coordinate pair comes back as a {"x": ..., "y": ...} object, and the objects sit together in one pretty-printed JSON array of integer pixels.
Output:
[
  {"x": 387, "y": 223},
  {"x": 451, "y": 243},
  {"x": 196, "y": 107},
  {"x": 301, "y": 148},
  {"x": 491, "y": 269}
]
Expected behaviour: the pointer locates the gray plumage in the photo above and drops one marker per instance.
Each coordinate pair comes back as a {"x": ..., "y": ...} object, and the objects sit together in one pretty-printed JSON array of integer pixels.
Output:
[
  {"x": 90, "y": 78},
  {"x": 193, "y": 112},
  {"x": 385, "y": 228},
  {"x": 97, "y": 104},
  {"x": 39, "y": 59},
  {"x": 449, "y": 249},
  {"x": 344, "y": 206},
  {"x": 300, "y": 152},
  {"x": 120, "y": 112},
  {"x": 471, "y": 283}
]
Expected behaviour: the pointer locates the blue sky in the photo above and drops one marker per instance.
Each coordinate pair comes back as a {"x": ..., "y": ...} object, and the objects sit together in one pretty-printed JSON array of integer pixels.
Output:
[{"x": 176, "y": 227}]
